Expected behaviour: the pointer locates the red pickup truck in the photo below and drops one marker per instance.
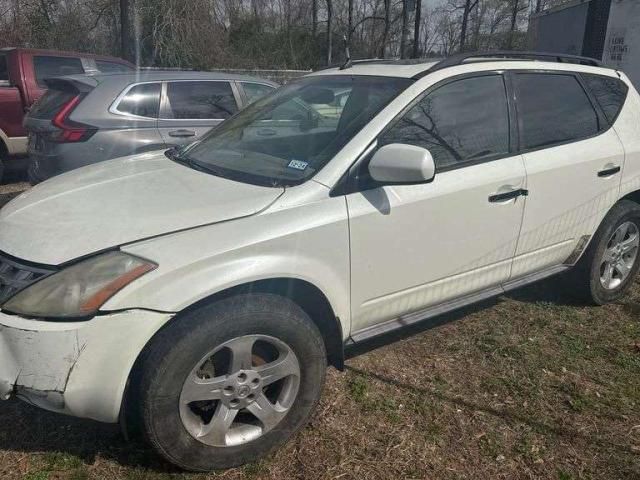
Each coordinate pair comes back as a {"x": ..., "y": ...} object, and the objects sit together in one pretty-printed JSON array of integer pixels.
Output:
[{"x": 22, "y": 74}]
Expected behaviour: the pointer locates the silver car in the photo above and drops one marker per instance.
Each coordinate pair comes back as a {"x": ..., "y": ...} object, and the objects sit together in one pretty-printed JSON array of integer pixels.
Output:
[{"x": 85, "y": 119}]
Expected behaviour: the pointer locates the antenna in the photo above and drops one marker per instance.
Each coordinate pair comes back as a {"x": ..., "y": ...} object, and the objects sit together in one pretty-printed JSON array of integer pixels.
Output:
[{"x": 347, "y": 63}]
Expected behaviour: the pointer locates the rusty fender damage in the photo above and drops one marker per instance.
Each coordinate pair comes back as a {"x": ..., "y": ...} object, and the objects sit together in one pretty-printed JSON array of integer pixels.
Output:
[{"x": 76, "y": 368}]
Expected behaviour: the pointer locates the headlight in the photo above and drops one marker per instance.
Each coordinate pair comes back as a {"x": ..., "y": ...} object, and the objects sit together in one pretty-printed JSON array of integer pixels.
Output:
[{"x": 79, "y": 290}]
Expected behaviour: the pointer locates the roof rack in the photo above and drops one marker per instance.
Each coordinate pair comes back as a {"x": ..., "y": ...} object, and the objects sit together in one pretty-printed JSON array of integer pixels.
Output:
[{"x": 510, "y": 55}]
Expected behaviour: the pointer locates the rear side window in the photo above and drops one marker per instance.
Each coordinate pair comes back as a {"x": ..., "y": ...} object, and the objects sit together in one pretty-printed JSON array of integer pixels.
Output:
[
  {"x": 4, "y": 70},
  {"x": 47, "y": 67},
  {"x": 609, "y": 92},
  {"x": 50, "y": 103},
  {"x": 201, "y": 100},
  {"x": 553, "y": 109},
  {"x": 112, "y": 67},
  {"x": 254, "y": 91},
  {"x": 463, "y": 121},
  {"x": 142, "y": 100}
]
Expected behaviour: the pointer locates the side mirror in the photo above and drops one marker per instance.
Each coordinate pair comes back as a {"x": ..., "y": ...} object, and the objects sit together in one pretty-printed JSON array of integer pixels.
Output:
[{"x": 399, "y": 163}]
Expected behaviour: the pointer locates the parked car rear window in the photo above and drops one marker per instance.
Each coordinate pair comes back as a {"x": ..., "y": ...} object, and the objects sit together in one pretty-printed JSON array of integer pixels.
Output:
[
  {"x": 254, "y": 91},
  {"x": 112, "y": 67},
  {"x": 4, "y": 70},
  {"x": 609, "y": 92},
  {"x": 201, "y": 100},
  {"x": 553, "y": 109},
  {"x": 50, "y": 103},
  {"x": 47, "y": 66},
  {"x": 142, "y": 100},
  {"x": 463, "y": 121}
]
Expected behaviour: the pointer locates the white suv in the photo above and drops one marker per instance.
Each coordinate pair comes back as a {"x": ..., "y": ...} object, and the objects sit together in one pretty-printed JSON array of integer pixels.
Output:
[{"x": 199, "y": 295}]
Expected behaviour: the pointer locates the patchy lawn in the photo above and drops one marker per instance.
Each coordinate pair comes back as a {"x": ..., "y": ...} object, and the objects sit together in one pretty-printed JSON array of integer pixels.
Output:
[{"x": 527, "y": 386}]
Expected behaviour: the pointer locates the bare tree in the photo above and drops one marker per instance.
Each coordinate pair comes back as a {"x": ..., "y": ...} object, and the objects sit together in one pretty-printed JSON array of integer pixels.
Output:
[
  {"x": 467, "y": 8},
  {"x": 387, "y": 27},
  {"x": 314, "y": 17},
  {"x": 416, "y": 29},
  {"x": 329, "y": 32},
  {"x": 404, "y": 34},
  {"x": 125, "y": 42}
]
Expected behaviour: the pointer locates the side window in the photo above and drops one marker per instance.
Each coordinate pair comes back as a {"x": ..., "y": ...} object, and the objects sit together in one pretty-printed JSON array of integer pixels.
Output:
[
  {"x": 553, "y": 109},
  {"x": 609, "y": 92},
  {"x": 112, "y": 67},
  {"x": 201, "y": 100},
  {"x": 4, "y": 71},
  {"x": 463, "y": 121},
  {"x": 47, "y": 67},
  {"x": 142, "y": 100},
  {"x": 254, "y": 91}
]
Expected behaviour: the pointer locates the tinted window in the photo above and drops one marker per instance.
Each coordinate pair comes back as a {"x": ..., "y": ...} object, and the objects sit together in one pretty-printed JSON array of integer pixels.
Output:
[
  {"x": 553, "y": 109},
  {"x": 193, "y": 100},
  {"x": 111, "y": 67},
  {"x": 4, "y": 70},
  {"x": 142, "y": 100},
  {"x": 51, "y": 103},
  {"x": 609, "y": 92},
  {"x": 55, "y": 66},
  {"x": 465, "y": 120},
  {"x": 254, "y": 91}
]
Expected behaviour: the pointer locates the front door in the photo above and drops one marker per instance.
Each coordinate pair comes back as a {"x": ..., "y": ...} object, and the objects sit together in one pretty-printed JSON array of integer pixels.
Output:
[{"x": 415, "y": 246}]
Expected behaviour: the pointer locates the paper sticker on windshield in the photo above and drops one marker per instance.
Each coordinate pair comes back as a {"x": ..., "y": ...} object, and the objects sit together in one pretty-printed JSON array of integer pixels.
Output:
[{"x": 298, "y": 164}]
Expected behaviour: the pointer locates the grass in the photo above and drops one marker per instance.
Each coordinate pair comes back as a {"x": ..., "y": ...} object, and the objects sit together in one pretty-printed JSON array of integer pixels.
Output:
[{"x": 528, "y": 386}]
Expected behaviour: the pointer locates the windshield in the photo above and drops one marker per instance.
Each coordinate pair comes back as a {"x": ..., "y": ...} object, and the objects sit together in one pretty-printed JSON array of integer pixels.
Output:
[{"x": 288, "y": 136}]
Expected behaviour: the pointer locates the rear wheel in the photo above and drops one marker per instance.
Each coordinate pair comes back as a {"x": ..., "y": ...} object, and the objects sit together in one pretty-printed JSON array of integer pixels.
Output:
[
  {"x": 225, "y": 384},
  {"x": 611, "y": 262}
]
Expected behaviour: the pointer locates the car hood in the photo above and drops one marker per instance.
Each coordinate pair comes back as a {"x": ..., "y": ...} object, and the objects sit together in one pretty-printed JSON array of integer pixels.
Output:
[{"x": 117, "y": 202}]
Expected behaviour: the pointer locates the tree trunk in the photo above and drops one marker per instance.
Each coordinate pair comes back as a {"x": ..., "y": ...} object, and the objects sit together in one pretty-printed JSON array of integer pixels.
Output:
[
  {"x": 404, "y": 36},
  {"x": 350, "y": 23},
  {"x": 465, "y": 23},
  {"x": 329, "y": 32},
  {"x": 538, "y": 6},
  {"x": 514, "y": 18},
  {"x": 314, "y": 18},
  {"x": 387, "y": 26},
  {"x": 416, "y": 29},
  {"x": 125, "y": 44}
]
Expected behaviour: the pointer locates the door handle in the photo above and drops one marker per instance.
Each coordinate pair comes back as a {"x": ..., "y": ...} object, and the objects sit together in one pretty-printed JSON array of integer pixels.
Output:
[
  {"x": 501, "y": 197},
  {"x": 266, "y": 132},
  {"x": 182, "y": 133},
  {"x": 607, "y": 172}
]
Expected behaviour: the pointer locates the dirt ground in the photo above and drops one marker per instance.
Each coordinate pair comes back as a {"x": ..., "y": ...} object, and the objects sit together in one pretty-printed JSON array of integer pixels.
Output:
[{"x": 530, "y": 385}]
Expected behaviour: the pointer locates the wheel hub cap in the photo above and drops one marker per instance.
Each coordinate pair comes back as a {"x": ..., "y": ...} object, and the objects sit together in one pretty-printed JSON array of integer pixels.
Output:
[
  {"x": 619, "y": 256},
  {"x": 240, "y": 390}
]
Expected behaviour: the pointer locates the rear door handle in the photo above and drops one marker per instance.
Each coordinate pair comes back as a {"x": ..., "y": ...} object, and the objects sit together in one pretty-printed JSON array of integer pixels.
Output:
[
  {"x": 607, "y": 172},
  {"x": 501, "y": 197},
  {"x": 182, "y": 133}
]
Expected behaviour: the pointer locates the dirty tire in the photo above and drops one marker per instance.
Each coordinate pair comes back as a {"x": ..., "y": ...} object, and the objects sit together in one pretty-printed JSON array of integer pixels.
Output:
[
  {"x": 585, "y": 276},
  {"x": 178, "y": 348}
]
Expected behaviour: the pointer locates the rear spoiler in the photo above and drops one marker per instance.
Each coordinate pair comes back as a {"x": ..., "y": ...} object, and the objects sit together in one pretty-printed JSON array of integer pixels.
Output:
[{"x": 75, "y": 85}]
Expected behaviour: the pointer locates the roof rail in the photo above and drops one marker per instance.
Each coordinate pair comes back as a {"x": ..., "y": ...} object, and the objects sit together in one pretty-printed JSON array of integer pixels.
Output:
[{"x": 510, "y": 55}]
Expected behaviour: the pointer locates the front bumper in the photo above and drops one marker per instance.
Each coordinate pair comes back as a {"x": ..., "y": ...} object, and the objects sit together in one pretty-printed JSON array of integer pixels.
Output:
[{"x": 76, "y": 368}]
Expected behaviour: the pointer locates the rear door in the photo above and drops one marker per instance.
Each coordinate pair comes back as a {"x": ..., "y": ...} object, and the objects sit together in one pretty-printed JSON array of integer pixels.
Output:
[
  {"x": 573, "y": 161},
  {"x": 190, "y": 108}
]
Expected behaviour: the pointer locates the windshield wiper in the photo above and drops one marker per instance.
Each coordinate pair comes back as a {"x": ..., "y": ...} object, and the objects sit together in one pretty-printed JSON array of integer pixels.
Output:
[{"x": 179, "y": 157}]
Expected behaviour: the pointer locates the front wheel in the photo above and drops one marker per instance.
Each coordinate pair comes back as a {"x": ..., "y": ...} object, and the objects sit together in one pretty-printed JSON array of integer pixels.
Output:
[
  {"x": 611, "y": 262},
  {"x": 225, "y": 384}
]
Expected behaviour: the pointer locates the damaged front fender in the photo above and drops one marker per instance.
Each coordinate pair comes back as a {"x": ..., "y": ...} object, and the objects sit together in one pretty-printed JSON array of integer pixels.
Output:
[{"x": 37, "y": 360}]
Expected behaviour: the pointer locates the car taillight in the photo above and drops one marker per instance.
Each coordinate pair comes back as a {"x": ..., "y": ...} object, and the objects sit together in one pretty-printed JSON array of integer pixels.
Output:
[{"x": 70, "y": 131}]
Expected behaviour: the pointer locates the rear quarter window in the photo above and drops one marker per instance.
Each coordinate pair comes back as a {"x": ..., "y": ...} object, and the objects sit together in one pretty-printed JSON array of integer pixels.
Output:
[
  {"x": 610, "y": 93},
  {"x": 4, "y": 70},
  {"x": 48, "y": 66},
  {"x": 141, "y": 100}
]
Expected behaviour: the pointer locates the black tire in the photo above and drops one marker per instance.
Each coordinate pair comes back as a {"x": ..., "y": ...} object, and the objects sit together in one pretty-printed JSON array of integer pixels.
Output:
[
  {"x": 585, "y": 276},
  {"x": 174, "y": 352}
]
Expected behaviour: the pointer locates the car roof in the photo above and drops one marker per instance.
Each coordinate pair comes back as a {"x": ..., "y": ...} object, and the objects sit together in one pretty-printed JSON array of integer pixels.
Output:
[
  {"x": 64, "y": 53},
  {"x": 418, "y": 68},
  {"x": 160, "y": 75}
]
